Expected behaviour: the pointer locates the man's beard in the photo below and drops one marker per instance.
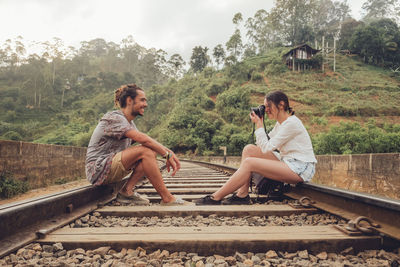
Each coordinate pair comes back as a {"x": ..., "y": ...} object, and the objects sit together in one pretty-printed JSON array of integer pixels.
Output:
[{"x": 136, "y": 113}]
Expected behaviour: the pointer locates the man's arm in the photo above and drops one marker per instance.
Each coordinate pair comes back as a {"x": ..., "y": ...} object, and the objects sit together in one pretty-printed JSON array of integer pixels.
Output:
[{"x": 149, "y": 142}]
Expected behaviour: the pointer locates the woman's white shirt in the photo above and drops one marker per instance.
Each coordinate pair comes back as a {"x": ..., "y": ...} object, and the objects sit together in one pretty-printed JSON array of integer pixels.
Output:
[{"x": 290, "y": 138}]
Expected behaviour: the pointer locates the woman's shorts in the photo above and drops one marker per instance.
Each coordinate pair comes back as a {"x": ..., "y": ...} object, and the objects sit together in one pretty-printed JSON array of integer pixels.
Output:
[{"x": 305, "y": 170}]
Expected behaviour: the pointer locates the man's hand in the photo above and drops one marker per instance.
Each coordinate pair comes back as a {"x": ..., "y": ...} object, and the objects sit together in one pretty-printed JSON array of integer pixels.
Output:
[{"x": 173, "y": 162}]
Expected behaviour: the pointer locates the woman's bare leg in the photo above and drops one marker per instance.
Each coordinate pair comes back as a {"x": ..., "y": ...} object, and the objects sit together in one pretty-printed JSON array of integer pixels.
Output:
[
  {"x": 272, "y": 169},
  {"x": 252, "y": 151}
]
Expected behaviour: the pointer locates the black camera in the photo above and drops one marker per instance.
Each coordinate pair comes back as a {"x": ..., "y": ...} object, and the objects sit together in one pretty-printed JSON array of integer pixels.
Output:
[{"x": 259, "y": 111}]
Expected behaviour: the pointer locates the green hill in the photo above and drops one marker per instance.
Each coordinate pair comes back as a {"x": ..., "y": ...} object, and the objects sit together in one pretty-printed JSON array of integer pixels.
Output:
[{"x": 203, "y": 111}]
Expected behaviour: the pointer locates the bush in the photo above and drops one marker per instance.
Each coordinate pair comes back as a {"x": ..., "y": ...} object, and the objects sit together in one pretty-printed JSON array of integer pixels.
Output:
[
  {"x": 12, "y": 135},
  {"x": 81, "y": 139},
  {"x": 215, "y": 88},
  {"x": 256, "y": 76},
  {"x": 11, "y": 116},
  {"x": 10, "y": 187},
  {"x": 351, "y": 138}
]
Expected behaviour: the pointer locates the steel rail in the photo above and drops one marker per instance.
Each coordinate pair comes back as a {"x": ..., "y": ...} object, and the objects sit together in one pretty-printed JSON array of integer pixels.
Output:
[
  {"x": 21, "y": 222},
  {"x": 347, "y": 204}
]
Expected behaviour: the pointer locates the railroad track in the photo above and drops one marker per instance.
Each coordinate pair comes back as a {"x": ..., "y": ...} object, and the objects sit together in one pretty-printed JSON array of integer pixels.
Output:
[{"x": 89, "y": 218}]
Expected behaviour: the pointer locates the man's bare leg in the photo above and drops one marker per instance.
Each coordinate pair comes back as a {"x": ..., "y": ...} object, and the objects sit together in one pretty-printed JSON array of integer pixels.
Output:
[
  {"x": 150, "y": 168},
  {"x": 135, "y": 177}
]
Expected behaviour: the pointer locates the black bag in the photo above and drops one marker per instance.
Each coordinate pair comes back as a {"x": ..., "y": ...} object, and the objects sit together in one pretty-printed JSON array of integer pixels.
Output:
[{"x": 270, "y": 188}]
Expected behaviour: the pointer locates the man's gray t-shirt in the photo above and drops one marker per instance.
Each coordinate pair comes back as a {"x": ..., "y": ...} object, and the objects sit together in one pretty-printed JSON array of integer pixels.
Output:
[{"x": 107, "y": 140}]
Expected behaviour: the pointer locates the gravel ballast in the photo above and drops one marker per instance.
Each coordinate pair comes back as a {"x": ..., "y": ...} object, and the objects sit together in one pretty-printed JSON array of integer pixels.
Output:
[
  {"x": 55, "y": 255},
  {"x": 96, "y": 220}
]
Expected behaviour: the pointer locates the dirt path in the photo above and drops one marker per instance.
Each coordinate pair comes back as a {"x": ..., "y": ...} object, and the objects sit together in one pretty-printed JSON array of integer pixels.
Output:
[{"x": 45, "y": 191}]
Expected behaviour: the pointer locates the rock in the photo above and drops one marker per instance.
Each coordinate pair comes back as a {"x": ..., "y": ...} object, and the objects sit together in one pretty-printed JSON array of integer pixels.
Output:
[
  {"x": 61, "y": 253},
  {"x": 199, "y": 264},
  {"x": 155, "y": 254},
  {"x": 80, "y": 257},
  {"x": 80, "y": 251},
  {"x": 210, "y": 259},
  {"x": 332, "y": 256},
  {"x": 290, "y": 255},
  {"x": 140, "y": 264},
  {"x": 132, "y": 252},
  {"x": 47, "y": 254},
  {"x": 261, "y": 256},
  {"x": 322, "y": 256},
  {"x": 57, "y": 247},
  {"x": 303, "y": 254},
  {"x": 108, "y": 263},
  {"x": 37, "y": 247},
  {"x": 302, "y": 263},
  {"x": 164, "y": 254},
  {"x": 256, "y": 260},
  {"x": 347, "y": 251},
  {"x": 21, "y": 251},
  {"x": 313, "y": 258},
  {"x": 266, "y": 263},
  {"x": 155, "y": 263},
  {"x": 219, "y": 261},
  {"x": 197, "y": 258},
  {"x": 230, "y": 260},
  {"x": 47, "y": 248},
  {"x": 173, "y": 255},
  {"x": 240, "y": 257},
  {"x": 218, "y": 257},
  {"x": 271, "y": 254},
  {"x": 248, "y": 262},
  {"x": 101, "y": 251},
  {"x": 29, "y": 254},
  {"x": 118, "y": 255}
]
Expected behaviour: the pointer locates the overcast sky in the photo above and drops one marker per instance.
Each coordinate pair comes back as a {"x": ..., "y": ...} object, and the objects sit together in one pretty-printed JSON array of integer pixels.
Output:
[{"x": 175, "y": 26}]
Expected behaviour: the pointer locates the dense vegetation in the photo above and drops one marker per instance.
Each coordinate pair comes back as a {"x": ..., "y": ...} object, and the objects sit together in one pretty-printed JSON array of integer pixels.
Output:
[{"x": 58, "y": 97}]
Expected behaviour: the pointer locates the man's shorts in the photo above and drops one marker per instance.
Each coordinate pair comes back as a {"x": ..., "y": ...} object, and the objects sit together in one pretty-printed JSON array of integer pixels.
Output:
[{"x": 118, "y": 171}]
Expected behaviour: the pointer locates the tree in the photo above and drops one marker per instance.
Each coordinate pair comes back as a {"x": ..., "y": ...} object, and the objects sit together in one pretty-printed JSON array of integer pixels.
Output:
[
  {"x": 259, "y": 32},
  {"x": 176, "y": 64},
  {"x": 129, "y": 52},
  {"x": 235, "y": 44},
  {"x": 219, "y": 54},
  {"x": 199, "y": 58},
  {"x": 377, "y": 42},
  {"x": 348, "y": 28},
  {"x": 378, "y": 9},
  {"x": 289, "y": 17}
]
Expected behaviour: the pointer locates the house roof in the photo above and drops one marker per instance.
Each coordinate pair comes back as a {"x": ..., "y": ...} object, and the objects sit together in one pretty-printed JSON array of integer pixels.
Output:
[{"x": 314, "y": 51}]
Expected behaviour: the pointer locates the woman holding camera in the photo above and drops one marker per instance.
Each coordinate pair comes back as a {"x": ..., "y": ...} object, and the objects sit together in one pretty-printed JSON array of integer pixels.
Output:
[{"x": 294, "y": 163}]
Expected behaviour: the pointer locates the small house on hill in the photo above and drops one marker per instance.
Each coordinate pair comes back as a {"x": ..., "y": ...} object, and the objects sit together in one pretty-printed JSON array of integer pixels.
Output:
[{"x": 300, "y": 57}]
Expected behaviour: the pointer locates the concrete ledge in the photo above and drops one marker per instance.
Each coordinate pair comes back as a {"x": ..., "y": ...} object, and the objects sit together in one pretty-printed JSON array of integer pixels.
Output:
[{"x": 42, "y": 164}]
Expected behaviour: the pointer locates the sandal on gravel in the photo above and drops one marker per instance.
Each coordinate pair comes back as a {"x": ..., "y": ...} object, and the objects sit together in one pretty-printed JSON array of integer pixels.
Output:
[
  {"x": 207, "y": 200},
  {"x": 135, "y": 199},
  {"x": 177, "y": 202}
]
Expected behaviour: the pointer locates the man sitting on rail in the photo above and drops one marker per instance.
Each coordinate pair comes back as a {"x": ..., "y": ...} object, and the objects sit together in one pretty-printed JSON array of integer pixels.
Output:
[{"x": 110, "y": 156}]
